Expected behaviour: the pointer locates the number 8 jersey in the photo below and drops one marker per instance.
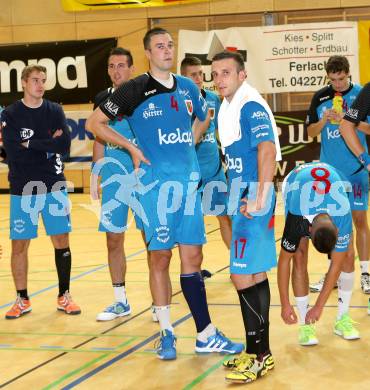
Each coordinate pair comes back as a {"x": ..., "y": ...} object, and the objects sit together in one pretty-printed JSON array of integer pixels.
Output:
[{"x": 318, "y": 188}]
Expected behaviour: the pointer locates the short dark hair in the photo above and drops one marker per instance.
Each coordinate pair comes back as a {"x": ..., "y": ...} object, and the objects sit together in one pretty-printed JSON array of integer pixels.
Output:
[
  {"x": 237, "y": 57},
  {"x": 120, "y": 51},
  {"x": 325, "y": 239},
  {"x": 337, "y": 64},
  {"x": 152, "y": 32},
  {"x": 189, "y": 61}
]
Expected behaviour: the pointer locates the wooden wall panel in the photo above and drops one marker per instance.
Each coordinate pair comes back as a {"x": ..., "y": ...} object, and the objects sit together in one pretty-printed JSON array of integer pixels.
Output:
[
  {"x": 39, "y": 12},
  {"x": 114, "y": 28},
  {"x": 240, "y": 6},
  {"x": 283, "y": 5},
  {"x": 6, "y": 34},
  {"x": 355, "y": 3},
  {"x": 44, "y": 32},
  {"x": 94, "y": 16},
  {"x": 6, "y": 13},
  {"x": 195, "y": 9}
]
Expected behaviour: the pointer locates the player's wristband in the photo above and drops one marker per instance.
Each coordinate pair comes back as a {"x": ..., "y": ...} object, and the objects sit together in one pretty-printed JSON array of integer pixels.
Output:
[{"x": 364, "y": 159}]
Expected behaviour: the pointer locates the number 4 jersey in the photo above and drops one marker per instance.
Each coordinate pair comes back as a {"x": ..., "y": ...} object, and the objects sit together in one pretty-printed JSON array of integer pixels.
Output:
[
  {"x": 312, "y": 189},
  {"x": 160, "y": 118}
]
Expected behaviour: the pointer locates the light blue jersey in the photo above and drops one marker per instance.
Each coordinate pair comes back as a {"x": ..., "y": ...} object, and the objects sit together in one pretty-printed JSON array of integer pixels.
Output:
[
  {"x": 207, "y": 148},
  {"x": 122, "y": 157},
  {"x": 334, "y": 150},
  {"x": 318, "y": 188}
]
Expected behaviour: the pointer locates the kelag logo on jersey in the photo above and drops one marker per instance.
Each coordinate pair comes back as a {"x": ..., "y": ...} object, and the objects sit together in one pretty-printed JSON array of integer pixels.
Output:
[
  {"x": 234, "y": 164},
  {"x": 208, "y": 137},
  {"x": 176, "y": 137}
]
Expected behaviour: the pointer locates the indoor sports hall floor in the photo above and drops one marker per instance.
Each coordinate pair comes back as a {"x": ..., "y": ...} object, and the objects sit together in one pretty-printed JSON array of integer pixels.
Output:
[{"x": 47, "y": 349}]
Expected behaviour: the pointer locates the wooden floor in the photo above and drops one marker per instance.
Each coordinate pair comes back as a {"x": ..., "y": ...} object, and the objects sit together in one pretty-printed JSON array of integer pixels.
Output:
[{"x": 49, "y": 350}]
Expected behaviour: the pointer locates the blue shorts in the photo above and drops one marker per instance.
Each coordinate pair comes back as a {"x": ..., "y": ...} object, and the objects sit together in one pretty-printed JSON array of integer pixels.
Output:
[
  {"x": 173, "y": 219},
  {"x": 54, "y": 208},
  {"x": 359, "y": 197},
  {"x": 253, "y": 248},
  {"x": 214, "y": 194},
  {"x": 114, "y": 210}
]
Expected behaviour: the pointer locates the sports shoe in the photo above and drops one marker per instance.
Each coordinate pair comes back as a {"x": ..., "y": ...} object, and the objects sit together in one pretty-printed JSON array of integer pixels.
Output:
[
  {"x": 166, "y": 348},
  {"x": 116, "y": 309},
  {"x": 21, "y": 306},
  {"x": 365, "y": 283},
  {"x": 249, "y": 370},
  {"x": 317, "y": 287},
  {"x": 66, "y": 304},
  {"x": 307, "y": 335},
  {"x": 344, "y": 328},
  {"x": 218, "y": 343},
  {"x": 154, "y": 315},
  {"x": 268, "y": 361}
]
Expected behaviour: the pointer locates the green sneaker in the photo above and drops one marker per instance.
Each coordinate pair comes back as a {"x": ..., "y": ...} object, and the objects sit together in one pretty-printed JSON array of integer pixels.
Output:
[
  {"x": 344, "y": 328},
  {"x": 307, "y": 335}
]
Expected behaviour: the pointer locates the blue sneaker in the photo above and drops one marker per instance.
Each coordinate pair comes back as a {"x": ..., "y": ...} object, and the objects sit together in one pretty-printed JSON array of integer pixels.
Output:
[
  {"x": 166, "y": 349},
  {"x": 218, "y": 343},
  {"x": 117, "y": 309}
]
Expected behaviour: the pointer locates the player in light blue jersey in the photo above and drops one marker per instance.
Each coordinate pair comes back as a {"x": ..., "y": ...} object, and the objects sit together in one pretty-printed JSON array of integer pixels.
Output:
[
  {"x": 114, "y": 163},
  {"x": 327, "y": 109},
  {"x": 159, "y": 106},
  {"x": 317, "y": 207},
  {"x": 213, "y": 176},
  {"x": 247, "y": 136}
]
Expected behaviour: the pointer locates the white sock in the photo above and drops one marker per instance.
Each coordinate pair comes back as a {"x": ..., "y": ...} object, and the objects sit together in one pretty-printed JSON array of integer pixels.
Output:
[
  {"x": 120, "y": 294},
  {"x": 345, "y": 286},
  {"x": 302, "y": 307},
  {"x": 163, "y": 315},
  {"x": 209, "y": 330},
  {"x": 364, "y": 265}
]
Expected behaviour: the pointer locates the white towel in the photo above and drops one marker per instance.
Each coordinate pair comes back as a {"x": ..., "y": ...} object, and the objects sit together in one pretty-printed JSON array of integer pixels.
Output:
[{"x": 229, "y": 116}]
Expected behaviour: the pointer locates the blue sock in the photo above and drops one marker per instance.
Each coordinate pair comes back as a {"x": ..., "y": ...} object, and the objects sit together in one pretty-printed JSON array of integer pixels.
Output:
[{"x": 194, "y": 291}]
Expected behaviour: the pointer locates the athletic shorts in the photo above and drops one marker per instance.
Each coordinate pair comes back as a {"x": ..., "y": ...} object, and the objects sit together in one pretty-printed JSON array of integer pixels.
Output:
[
  {"x": 54, "y": 208},
  {"x": 172, "y": 219},
  {"x": 359, "y": 197},
  {"x": 114, "y": 210},
  {"x": 253, "y": 247},
  {"x": 214, "y": 194}
]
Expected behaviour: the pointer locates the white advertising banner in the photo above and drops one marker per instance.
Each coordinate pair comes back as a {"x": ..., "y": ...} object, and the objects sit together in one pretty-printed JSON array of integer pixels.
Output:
[{"x": 284, "y": 58}]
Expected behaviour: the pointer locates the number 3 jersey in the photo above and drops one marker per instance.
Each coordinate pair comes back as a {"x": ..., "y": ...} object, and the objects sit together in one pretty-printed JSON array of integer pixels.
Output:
[
  {"x": 312, "y": 189},
  {"x": 334, "y": 150},
  {"x": 160, "y": 119},
  {"x": 41, "y": 161}
]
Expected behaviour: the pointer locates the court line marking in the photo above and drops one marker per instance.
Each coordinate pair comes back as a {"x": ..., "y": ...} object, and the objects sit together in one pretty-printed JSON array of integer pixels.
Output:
[
  {"x": 81, "y": 275},
  {"x": 87, "y": 341},
  {"x": 209, "y": 371},
  {"x": 118, "y": 357}
]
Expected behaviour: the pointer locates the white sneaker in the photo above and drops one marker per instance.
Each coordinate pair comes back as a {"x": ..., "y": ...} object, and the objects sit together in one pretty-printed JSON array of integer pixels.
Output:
[
  {"x": 317, "y": 287},
  {"x": 117, "y": 309},
  {"x": 365, "y": 283},
  {"x": 154, "y": 315}
]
